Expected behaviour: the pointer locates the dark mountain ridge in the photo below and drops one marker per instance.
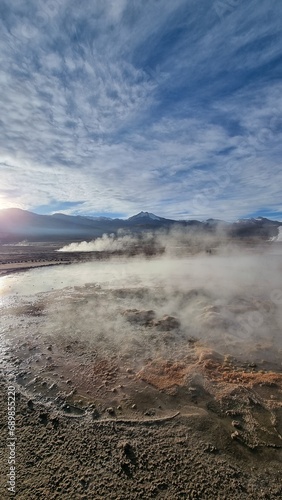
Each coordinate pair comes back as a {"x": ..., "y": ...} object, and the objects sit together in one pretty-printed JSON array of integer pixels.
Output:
[{"x": 17, "y": 225}]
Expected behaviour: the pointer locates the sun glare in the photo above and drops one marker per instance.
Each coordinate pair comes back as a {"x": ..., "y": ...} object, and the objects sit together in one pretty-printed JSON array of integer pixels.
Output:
[{"x": 4, "y": 203}]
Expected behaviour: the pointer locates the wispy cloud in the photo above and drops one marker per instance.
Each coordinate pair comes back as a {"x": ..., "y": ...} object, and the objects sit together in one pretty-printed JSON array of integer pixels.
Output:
[{"x": 118, "y": 106}]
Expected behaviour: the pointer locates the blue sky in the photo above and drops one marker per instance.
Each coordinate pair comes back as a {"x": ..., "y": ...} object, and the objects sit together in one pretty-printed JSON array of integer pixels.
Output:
[{"x": 116, "y": 106}]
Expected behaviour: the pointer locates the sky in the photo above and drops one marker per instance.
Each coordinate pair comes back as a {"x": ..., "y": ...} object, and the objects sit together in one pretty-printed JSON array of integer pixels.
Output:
[{"x": 110, "y": 107}]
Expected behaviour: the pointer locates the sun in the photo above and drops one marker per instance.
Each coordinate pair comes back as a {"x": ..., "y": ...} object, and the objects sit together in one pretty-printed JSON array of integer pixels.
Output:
[{"x": 4, "y": 203}]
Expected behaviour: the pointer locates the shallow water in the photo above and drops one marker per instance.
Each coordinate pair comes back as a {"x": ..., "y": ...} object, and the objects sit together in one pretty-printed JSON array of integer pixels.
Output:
[
  {"x": 243, "y": 270},
  {"x": 230, "y": 302}
]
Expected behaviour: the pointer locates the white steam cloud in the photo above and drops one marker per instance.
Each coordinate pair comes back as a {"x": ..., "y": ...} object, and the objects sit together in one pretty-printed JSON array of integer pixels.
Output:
[
  {"x": 174, "y": 241},
  {"x": 138, "y": 308},
  {"x": 107, "y": 243}
]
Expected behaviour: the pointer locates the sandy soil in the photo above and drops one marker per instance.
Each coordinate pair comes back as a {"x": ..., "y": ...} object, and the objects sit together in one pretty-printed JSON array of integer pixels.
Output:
[
  {"x": 201, "y": 428},
  {"x": 192, "y": 455}
]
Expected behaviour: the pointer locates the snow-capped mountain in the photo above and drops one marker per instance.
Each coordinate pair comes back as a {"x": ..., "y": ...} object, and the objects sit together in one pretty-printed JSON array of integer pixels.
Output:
[
  {"x": 144, "y": 215},
  {"x": 257, "y": 220}
]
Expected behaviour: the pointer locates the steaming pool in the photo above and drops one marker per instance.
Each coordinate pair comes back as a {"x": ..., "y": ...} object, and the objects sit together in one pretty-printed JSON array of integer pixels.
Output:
[{"x": 103, "y": 330}]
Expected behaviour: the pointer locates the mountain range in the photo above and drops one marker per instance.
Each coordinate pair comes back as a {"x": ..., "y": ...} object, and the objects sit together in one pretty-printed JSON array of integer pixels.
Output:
[{"x": 17, "y": 225}]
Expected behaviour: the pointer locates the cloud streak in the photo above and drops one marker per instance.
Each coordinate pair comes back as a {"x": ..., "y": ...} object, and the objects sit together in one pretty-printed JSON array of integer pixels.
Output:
[{"x": 157, "y": 106}]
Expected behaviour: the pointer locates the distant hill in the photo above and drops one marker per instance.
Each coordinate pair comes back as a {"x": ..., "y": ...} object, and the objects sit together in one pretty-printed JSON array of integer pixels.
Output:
[{"x": 17, "y": 225}]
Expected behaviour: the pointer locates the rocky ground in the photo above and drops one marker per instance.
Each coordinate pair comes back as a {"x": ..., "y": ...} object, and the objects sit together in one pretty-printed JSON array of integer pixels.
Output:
[{"x": 215, "y": 433}]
